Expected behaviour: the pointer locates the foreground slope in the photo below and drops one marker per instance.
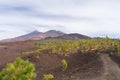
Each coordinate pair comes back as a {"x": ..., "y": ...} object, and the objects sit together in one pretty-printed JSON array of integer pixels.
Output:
[{"x": 93, "y": 65}]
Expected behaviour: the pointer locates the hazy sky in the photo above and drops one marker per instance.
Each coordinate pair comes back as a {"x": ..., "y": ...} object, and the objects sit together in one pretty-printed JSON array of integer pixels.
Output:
[{"x": 89, "y": 17}]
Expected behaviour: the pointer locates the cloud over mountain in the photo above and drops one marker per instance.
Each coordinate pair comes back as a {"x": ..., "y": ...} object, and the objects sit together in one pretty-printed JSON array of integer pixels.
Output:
[{"x": 89, "y": 17}]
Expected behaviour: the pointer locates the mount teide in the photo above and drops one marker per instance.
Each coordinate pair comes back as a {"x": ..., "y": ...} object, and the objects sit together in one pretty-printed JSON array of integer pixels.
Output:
[{"x": 36, "y": 35}]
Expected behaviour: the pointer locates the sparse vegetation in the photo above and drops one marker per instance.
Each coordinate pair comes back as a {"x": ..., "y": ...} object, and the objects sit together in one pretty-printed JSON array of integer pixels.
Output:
[
  {"x": 66, "y": 47},
  {"x": 80, "y": 46},
  {"x": 18, "y": 70},
  {"x": 24, "y": 70},
  {"x": 48, "y": 76}
]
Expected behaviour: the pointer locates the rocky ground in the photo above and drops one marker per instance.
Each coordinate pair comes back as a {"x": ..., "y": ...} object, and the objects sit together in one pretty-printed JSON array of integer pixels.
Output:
[{"x": 90, "y": 66}]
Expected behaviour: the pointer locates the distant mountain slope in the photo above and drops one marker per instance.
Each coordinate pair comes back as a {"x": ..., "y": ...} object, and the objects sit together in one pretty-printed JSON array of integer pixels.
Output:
[
  {"x": 29, "y": 35},
  {"x": 53, "y": 33},
  {"x": 74, "y": 36},
  {"x": 32, "y": 33},
  {"x": 36, "y": 35}
]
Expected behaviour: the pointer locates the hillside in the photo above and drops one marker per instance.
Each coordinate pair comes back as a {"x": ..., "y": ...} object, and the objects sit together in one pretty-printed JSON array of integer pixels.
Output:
[{"x": 89, "y": 59}]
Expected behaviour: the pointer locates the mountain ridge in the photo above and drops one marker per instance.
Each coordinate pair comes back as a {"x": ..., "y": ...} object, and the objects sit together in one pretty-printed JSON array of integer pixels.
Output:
[
  {"x": 74, "y": 36},
  {"x": 36, "y": 35}
]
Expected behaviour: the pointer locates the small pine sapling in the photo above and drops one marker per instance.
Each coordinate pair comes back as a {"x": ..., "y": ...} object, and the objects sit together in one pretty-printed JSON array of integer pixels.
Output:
[
  {"x": 64, "y": 64},
  {"x": 48, "y": 76}
]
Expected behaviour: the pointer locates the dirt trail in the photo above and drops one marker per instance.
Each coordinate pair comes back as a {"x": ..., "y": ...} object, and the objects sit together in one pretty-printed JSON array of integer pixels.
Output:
[{"x": 112, "y": 70}]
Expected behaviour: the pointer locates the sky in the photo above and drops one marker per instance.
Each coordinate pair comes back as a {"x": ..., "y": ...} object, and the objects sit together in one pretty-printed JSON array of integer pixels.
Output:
[{"x": 96, "y": 18}]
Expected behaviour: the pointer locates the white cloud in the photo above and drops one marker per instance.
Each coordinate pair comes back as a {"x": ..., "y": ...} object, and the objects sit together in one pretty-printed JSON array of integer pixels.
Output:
[
  {"x": 10, "y": 31},
  {"x": 90, "y": 17}
]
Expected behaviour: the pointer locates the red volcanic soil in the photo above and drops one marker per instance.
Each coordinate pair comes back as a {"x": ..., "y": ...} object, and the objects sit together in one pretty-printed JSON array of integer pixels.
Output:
[
  {"x": 82, "y": 66},
  {"x": 9, "y": 51},
  {"x": 90, "y": 66}
]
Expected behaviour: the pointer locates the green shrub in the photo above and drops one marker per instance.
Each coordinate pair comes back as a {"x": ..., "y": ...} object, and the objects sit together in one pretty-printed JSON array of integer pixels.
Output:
[
  {"x": 66, "y": 47},
  {"x": 18, "y": 70},
  {"x": 64, "y": 64},
  {"x": 48, "y": 76}
]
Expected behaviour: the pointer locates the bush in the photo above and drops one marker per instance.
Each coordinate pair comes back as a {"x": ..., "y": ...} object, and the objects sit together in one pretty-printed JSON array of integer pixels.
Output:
[
  {"x": 65, "y": 47},
  {"x": 64, "y": 64},
  {"x": 48, "y": 76},
  {"x": 18, "y": 70}
]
